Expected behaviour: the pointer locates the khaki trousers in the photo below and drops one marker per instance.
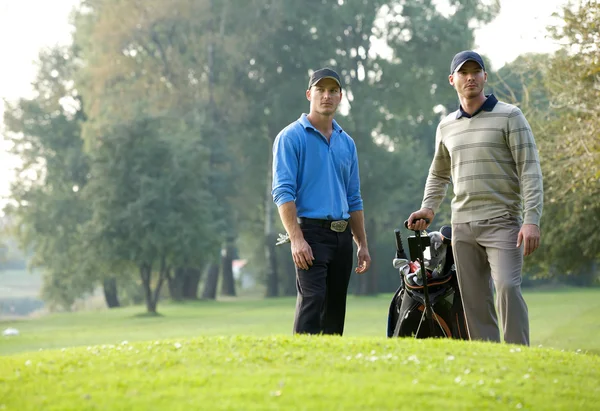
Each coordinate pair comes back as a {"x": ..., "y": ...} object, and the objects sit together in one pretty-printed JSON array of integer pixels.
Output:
[{"x": 487, "y": 257}]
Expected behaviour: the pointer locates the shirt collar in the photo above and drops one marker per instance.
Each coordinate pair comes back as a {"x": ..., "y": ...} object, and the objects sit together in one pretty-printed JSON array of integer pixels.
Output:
[
  {"x": 306, "y": 124},
  {"x": 488, "y": 105}
]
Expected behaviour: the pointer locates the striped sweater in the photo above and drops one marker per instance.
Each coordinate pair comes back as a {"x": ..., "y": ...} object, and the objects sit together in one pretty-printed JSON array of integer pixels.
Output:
[{"x": 493, "y": 163}]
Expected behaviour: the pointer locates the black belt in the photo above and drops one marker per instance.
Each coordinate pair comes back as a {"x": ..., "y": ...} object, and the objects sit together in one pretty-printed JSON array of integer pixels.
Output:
[{"x": 338, "y": 226}]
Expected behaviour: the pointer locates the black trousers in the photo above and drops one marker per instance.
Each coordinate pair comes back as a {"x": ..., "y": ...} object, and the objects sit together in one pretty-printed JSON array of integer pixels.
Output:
[{"x": 322, "y": 289}]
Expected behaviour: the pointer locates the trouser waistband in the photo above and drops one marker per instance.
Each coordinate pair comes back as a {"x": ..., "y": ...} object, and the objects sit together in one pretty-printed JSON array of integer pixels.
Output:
[{"x": 338, "y": 226}]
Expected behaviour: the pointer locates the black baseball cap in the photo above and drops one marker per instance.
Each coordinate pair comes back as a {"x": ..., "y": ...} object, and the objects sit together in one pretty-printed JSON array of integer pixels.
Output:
[
  {"x": 464, "y": 56},
  {"x": 324, "y": 73}
]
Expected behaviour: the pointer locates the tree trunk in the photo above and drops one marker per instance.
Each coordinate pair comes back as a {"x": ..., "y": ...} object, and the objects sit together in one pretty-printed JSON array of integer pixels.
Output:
[
  {"x": 151, "y": 306},
  {"x": 190, "y": 283},
  {"x": 227, "y": 280},
  {"x": 152, "y": 296},
  {"x": 176, "y": 283},
  {"x": 272, "y": 276},
  {"x": 146, "y": 276},
  {"x": 162, "y": 275},
  {"x": 111, "y": 296},
  {"x": 210, "y": 285}
]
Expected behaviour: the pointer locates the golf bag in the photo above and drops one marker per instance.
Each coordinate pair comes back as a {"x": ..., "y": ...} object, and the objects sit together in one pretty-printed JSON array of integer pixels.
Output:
[{"x": 427, "y": 303}]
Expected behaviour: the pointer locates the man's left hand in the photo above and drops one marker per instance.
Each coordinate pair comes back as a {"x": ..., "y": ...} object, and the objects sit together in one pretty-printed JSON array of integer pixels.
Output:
[
  {"x": 364, "y": 260},
  {"x": 529, "y": 236}
]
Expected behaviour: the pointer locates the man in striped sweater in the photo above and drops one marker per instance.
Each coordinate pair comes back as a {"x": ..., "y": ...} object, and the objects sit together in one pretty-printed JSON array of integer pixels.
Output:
[{"x": 486, "y": 148}]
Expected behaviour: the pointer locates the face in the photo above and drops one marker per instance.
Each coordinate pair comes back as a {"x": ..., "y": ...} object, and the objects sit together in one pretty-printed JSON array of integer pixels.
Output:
[
  {"x": 324, "y": 97},
  {"x": 469, "y": 80}
]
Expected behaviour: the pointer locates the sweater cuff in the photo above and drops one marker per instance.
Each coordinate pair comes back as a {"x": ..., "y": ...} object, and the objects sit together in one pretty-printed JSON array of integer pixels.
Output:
[
  {"x": 430, "y": 205},
  {"x": 532, "y": 218}
]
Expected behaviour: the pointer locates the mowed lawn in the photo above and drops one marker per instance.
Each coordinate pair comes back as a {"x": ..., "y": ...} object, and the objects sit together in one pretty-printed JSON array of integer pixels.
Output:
[
  {"x": 300, "y": 373},
  {"x": 562, "y": 319},
  {"x": 239, "y": 355}
]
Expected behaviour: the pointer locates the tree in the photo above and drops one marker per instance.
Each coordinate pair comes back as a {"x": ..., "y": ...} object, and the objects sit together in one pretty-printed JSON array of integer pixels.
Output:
[
  {"x": 560, "y": 95},
  {"x": 167, "y": 56},
  {"x": 572, "y": 151},
  {"x": 522, "y": 82},
  {"x": 149, "y": 190},
  {"x": 47, "y": 206}
]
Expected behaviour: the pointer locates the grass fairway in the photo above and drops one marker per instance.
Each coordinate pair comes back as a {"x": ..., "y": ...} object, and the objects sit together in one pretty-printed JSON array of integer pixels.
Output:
[
  {"x": 238, "y": 355},
  {"x": 563, "y": 319},
  {"x": 300, "y": 373}
]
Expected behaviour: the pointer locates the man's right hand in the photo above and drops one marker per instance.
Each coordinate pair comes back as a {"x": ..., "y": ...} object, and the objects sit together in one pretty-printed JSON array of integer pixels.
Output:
[
  {"x": 416, "y": 220},
  {"x": 302, "y": 253}
]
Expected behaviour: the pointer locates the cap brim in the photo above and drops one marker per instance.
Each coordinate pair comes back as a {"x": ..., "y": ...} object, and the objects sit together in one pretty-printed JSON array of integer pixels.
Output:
[
  {"x": 323, "y": 78},
  {"x": 463, "y": 63}
]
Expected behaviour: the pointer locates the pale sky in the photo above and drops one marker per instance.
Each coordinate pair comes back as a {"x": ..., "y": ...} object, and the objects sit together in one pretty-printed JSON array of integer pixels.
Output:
[{"x": 28, "y": 25}]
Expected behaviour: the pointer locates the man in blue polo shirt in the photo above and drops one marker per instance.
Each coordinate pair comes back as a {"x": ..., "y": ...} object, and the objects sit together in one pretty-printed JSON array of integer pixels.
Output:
[{"x": 316, "y": 187}]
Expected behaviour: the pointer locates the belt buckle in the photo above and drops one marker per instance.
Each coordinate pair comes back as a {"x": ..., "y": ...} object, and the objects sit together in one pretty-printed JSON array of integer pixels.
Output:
[{"x": 339, "y": 226}]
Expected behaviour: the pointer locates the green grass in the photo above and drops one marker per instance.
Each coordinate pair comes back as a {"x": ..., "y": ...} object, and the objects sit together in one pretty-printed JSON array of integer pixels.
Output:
[
  {"x": 300, "y": 373},
  {"x": 566, "y": 318},
  {"x": 563, "y": 319},
  {"x": 239, "y": 355}
]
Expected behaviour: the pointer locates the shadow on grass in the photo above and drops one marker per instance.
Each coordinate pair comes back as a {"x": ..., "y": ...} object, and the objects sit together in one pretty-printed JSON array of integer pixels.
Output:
[{"x": 148, "y": 315}]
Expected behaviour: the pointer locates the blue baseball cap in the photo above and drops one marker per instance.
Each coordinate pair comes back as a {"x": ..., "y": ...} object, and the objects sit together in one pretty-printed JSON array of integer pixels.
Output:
[{"x": 464, "y": 56}]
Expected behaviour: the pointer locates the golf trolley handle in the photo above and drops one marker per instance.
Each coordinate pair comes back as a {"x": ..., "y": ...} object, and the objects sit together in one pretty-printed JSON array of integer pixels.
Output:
[
  {"x": 420, "y": 248},
  {"x": 426, "y": 221},
  {"x": 400, "y": 253}
]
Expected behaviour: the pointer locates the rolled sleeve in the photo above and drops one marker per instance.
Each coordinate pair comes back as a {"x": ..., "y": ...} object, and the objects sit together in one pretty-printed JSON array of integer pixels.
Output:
[
  {"x": 355, "y": 202},
  {"x": 285, "y": 168}
]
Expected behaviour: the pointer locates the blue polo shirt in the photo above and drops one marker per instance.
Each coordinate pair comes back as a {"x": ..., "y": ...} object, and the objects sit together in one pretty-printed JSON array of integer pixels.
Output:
[{"x": 320, "y": 176}]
